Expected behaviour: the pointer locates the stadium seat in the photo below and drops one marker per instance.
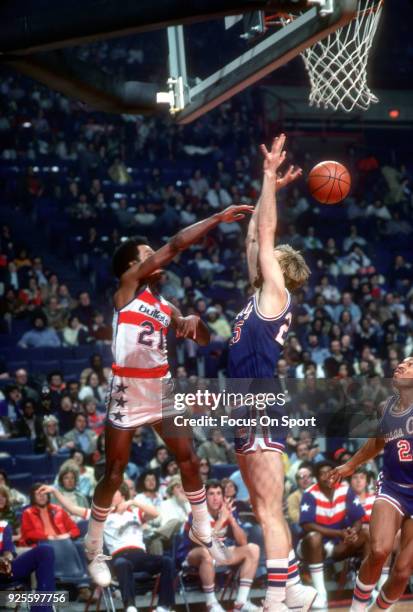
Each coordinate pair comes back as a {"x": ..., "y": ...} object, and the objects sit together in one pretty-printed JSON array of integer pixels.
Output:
[
  {"x": 74, "y": 366},
  {"x": 17, "y": 446},
  {"x": 58, "y": 352},
  {"x": 7, "y": 464},
  {"x": 223, "y": 470},
  {"x": 12, "y": 366},
  {"x": 22, "y": 482},
  {"x": 84, "y": 352},
  {"x": 38, "y": 465},
  {"x": 57, "y": 461},
  {"x": 45, "y": 366}
]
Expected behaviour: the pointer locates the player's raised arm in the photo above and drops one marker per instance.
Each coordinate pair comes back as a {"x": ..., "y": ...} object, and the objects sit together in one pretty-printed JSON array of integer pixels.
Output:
[
  {"x": 273, "y": 297},
  {"x": 251, "y": 242},
  {"x": 181, "y": 241}
]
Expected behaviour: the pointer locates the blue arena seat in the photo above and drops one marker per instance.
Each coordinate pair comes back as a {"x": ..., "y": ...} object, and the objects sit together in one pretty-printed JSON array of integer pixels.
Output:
[
  {"x": 22, "y": 482},
  {"x": 7, "y": 464},
  {"x": 74, "y": 366},
  {"x": 45, "y": 366},
  {"x": 223, "y": 470},
  {"x": 17, "y": 446},
  {"x": 58, "y": 460},
  {"x": 36, "y": 464},
  {"x": 12, "y": 366}
]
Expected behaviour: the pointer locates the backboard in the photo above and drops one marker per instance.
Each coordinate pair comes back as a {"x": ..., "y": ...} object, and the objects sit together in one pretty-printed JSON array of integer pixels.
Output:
[
  {"x": 41, "y": 39},
  {"x": 256, "y": 53}
]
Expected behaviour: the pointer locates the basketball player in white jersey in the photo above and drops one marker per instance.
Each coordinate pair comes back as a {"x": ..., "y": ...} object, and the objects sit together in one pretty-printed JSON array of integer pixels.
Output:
[{"x": 141, "y": 387}]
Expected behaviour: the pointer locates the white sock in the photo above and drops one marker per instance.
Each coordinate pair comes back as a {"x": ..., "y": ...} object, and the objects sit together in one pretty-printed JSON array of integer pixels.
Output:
[
  {"x": 201, "y": 521},
  {"x": 384, "y": 602},
  {"x": 317, "y": 575},
  {"x": 383, "y": 577},
  {"x": 277, "y": 572},
  {"x": 210, "y": 597},
  {"x": 293, "y": 573},
  {"x": 361, "y": 595},
  {"x": 243, "y": 592},
  {"x": 94, "y": 536}
]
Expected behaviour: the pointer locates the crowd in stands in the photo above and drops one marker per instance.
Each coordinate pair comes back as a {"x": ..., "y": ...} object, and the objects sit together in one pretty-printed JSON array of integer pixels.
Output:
[{"x": 86, "y": 181}]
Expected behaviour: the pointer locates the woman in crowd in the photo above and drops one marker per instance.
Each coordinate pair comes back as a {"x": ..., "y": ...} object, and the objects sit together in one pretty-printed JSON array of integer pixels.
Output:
[
  {"x": 53, "y": 440},
  {"x": 7, "y": 512},
  {"x": 74, "y": 333},
  {"x": 17, "y": 498},
  {"x": 87, "y": 480},
  {"x": 68, "y": 483},
  {"x": 93, "y": 388}
]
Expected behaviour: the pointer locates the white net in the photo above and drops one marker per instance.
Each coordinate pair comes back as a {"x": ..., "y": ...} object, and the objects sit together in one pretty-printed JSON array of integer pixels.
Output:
[{"x": 337, "y": 65}]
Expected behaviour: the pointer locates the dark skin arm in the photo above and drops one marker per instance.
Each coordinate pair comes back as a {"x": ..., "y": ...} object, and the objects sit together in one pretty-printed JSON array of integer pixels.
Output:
[
  {"x": 138, "y": 271},
  {"x": 189, "y": 327},
  {"x": 368, "y": 451},
  {"x": 352, "y": 533},
  {"x": 325, "y": 531}
]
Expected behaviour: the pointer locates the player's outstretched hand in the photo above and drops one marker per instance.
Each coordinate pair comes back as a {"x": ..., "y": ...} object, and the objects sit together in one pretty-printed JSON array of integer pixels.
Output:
[
  {"x": 340, "y": 472},
  {"x": 235, "y": 213},
  {"x": 275, "y": 157},
  {"x": 293, "y": 173}
]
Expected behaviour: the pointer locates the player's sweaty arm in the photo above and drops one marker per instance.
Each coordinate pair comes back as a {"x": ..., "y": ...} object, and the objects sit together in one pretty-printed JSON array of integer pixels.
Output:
[
  {"x": 368, "y": 451},
  {"x": 191, "y": 327},
  {"x": 181, "y": 241}
]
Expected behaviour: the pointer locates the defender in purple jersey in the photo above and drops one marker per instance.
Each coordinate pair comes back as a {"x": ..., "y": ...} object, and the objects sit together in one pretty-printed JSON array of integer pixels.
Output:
[
  {"x": 393, "y": 507},
  {"x": 259, "y": 333}
]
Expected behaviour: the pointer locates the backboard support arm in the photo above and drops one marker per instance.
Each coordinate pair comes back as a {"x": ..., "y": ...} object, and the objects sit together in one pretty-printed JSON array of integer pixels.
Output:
[{"x": 189, "y": 103}]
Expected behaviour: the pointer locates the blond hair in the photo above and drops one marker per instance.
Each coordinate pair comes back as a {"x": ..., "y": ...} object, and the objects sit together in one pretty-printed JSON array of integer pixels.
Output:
[{"x": 293, "y": 266}]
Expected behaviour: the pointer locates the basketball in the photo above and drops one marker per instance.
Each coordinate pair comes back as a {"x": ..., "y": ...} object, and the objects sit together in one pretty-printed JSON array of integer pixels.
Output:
[{"x": 329, "y": 182}]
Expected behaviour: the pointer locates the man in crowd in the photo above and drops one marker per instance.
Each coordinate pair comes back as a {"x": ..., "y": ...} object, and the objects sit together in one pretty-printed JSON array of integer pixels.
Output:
[
  {"x": 11, "y": 406},
  {"x": 40, "y": 336},
  {"x": 217, "y": 449},
  {"x": 81, "y": 436},
  {"x": 45, "y": 521},
  {"x": 304, "y": 478},
  {"x": 123, "y": 537},
  {"x": 225, "y": 525},
  {"x": 331, "y": 516}
]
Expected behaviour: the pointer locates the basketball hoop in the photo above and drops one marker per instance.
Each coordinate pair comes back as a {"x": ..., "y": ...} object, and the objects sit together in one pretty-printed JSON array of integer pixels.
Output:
[{"x": 337, "y": 65}]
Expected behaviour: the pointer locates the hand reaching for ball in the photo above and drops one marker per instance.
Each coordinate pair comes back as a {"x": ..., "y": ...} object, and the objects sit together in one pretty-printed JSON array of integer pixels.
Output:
[{"x": 275, "y": 157}]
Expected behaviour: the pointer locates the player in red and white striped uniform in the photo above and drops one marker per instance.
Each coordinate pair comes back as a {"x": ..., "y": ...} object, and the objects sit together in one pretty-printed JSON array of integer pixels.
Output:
[
  {"x": 140, "y": 354},
  {"x": 141, "y": 389},
  {"x": 331, "y": 517}
]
